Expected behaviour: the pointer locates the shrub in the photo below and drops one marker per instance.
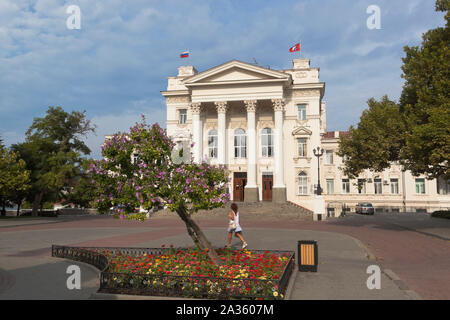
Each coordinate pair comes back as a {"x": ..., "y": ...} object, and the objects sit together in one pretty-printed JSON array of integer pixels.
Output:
[{"x": 441, "y": 214}]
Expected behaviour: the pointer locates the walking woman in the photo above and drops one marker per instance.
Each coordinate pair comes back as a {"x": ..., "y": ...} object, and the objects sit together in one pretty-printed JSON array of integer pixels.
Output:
[{"x": 234, "y": 225}]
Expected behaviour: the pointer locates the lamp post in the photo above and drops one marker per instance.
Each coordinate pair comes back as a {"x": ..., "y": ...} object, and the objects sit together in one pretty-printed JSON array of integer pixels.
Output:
[{"x": 318, "y": 152}]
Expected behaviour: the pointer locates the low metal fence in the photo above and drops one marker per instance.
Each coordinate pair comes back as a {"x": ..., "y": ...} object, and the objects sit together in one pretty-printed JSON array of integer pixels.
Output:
[{"x": 202, "y": 287}]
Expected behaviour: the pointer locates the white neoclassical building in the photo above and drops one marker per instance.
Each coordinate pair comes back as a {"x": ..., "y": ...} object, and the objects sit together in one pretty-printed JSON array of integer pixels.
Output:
[{"x": 263, "y": 124}]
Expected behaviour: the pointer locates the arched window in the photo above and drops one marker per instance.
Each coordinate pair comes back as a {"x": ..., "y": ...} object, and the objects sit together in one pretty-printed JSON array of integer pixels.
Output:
[
  {"x": 240, "y": 143},
  {"x": 267, "y": 142},
  {"x": 212, "y": 143},
  {"x": 302, "y": 183}
]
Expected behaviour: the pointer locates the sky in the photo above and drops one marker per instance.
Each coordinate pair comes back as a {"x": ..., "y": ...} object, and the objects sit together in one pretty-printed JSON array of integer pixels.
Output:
[{"x": 116, "y": 64}]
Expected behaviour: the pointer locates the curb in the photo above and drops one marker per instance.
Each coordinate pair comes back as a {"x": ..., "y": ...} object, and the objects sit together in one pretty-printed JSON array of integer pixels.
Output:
[
  {"x": 111, "y": 296},
  {"x": 369, "y": 255},
  {"x": 422, "y": 232},
  {"x": 390, "y": 274},
  {"x": 291, "y": 284},
  {"x": 401, "y": 285},
  {"x": 32, "y": 224}
]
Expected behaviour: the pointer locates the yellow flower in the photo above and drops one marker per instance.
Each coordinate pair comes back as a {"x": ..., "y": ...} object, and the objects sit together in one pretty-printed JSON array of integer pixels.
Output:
[{"x": 275, "y": 294}]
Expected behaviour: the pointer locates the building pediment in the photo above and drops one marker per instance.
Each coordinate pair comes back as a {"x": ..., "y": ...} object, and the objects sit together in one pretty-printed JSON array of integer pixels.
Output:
[
  {"x": 301, "y": 131},
  {"x": 236, "y": 72}
]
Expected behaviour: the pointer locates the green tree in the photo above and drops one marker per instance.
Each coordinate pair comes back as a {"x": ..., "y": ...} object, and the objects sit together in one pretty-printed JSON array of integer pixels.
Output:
[
  {"x": 425, "y": 102},
  {"x": 376, "y": 142},
  {"x": 14, "y": 178},
  {"x": 416, "y": 132},
  {"x": 154, "y": 179},
  {"x": 53, "y": 151},
  {"x": 81, "y": 191}
]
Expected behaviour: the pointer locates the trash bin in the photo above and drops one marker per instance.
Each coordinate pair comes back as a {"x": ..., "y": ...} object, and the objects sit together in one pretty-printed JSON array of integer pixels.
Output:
[{"x": 307, "y": 256}]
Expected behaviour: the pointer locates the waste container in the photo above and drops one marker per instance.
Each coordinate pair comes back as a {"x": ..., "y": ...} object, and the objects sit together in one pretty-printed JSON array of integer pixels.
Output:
[{"x": 307, "y": 256}]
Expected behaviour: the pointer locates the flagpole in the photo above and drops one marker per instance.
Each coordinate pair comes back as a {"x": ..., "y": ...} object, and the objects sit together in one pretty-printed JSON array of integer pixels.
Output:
[{"x": 300, "y": 51}]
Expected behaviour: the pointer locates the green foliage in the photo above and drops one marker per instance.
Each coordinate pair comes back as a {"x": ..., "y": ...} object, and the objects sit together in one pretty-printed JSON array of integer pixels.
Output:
[
  {"x": 425, "y": 102},
  {"x": 417, "y": 131},
  {"x": 445, "y": 214},
  {"x": 154, "y": 179},
  {"x": 376, "y": 142},
  {"x": 14, "y": 178},
  {"x": 53, "y": 152},
  {"x": 81, "y": 191}
]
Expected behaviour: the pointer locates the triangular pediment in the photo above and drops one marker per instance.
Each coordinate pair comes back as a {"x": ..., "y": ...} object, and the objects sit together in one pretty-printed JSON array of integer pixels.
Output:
[
  {"x": 301, "y": 131},
  {"x": 236, "y": 72}
]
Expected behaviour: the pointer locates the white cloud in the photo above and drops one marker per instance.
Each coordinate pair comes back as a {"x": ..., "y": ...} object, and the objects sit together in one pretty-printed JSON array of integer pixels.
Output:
[{"x": 112, "y": 123}]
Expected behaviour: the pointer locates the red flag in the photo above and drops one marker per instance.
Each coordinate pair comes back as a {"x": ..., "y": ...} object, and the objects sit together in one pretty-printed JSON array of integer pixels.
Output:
[{"x": 295, "y": 48}]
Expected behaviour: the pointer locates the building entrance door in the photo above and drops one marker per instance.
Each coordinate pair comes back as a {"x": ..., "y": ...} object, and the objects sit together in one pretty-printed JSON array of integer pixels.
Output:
[
  {"x": 267, "y": 182},
  {"x": 239, "y": 182}
]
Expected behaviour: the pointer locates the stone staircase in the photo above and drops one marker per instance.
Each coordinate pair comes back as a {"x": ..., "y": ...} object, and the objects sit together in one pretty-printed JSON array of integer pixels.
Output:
[{"x": 258, "y": 210}]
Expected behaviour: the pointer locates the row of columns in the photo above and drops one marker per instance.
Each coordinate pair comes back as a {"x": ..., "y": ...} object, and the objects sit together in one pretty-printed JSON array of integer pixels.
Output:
[{"x": 251, "y": 106}]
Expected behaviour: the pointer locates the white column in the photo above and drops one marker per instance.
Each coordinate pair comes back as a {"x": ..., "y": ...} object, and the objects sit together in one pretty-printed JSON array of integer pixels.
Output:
[
  {"x": 251, "y": 143},
  {"x": 196, "y": 132},
  {"x": 221, "y": 141},
  {"x": 278, "y": 107}
]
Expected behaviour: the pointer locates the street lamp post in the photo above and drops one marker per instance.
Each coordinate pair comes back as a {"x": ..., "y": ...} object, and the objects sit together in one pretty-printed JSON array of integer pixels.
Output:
[{"x": 318, "y": 152}]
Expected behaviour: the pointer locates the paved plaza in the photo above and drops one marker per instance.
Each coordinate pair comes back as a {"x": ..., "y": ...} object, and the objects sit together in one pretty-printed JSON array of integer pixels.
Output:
[{"x": 412, "y": 251}]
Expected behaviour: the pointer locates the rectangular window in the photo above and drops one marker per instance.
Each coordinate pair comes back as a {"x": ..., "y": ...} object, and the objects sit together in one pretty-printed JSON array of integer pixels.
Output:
[
  {"x": 267, "y": 143},
  {"x": 183, "y": 116},
  {"x": 394, "y": 186},
  {"x": 212, "y": 144},
  {"x": 302, "y": 184},
  {"x": 330, "y": 186},
  {"x": 328, "y": 156},
  {"x": 361, "y": 186},
  {"x": 301, "y": 115},
  {"x": 378, "y": 186},
  {"x": 345, "y": 186},
  {"x": 420, "y": 185},
  {"x": 240, "y": 146},
  {"x": 302, "y": 151}
]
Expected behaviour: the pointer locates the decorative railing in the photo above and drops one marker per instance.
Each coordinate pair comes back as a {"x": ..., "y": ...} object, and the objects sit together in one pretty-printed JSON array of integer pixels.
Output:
[{"x": 174, "y": 285}]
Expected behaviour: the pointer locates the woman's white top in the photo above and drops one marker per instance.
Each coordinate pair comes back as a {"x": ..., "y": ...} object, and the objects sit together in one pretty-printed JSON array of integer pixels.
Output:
[{"x": 236, "y": 220}]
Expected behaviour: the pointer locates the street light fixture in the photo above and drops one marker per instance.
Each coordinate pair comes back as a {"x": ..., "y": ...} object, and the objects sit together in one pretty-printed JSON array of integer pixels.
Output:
[{"x": 318, "y": 152}]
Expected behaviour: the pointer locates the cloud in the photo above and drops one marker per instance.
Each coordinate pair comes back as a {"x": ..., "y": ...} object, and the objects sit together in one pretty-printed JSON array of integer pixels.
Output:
[
  {"x": 117, "y": 64},
  {"x": 109, "y": 124}
]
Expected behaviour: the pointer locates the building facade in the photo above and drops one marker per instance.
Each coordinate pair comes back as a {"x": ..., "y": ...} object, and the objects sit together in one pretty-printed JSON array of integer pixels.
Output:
[{"x": 263, "y": 124}]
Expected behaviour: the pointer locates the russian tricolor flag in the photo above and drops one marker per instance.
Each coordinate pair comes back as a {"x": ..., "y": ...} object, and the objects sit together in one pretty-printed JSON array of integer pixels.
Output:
[{"x": 184, "y": 54}]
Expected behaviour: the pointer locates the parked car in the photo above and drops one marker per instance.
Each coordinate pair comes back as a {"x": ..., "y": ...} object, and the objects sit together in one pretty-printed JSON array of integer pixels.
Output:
[{"x": 365, "y": 208}]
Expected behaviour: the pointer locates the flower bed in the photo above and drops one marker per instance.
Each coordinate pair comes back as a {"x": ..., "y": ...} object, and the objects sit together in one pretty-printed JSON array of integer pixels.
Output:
[{"x": 245, "y": 274}]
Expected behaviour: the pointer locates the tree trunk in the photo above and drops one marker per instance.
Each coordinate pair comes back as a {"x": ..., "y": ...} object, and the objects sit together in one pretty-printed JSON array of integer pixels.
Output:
[
  {"x": 4, "y": 208},
  {"x": 199, "y": 237},
  {"x": 36, "y": 203},
  {"x": 19, "y": 203}
]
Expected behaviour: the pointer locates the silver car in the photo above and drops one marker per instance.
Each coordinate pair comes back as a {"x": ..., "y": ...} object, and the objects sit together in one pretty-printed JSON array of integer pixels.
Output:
[{"x": 365, "y": 208}]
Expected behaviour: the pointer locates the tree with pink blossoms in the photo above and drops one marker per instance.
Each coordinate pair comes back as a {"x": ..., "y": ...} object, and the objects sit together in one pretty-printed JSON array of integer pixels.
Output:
[{"x": 136, "y": 184}]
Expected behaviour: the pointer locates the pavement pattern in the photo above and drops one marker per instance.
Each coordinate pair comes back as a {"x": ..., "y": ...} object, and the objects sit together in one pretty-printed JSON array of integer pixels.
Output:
[{"x": 413, "y": 251}]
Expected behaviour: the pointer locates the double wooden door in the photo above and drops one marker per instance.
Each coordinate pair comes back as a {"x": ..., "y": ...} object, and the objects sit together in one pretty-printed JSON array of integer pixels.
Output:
[
  {"x": 239, "y": 182},
  {"x": 267, "y": 182}
]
